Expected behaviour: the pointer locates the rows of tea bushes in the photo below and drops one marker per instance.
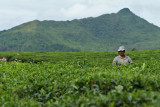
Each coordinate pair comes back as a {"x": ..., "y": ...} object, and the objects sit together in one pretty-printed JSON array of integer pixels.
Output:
[
  {"x": 94, "y": 58},
  {"x": 85, "y": 79}
]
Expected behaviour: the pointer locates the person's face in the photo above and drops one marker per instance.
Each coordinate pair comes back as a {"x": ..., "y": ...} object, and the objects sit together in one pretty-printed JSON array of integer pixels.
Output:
[{"x": 122, "y": 53}]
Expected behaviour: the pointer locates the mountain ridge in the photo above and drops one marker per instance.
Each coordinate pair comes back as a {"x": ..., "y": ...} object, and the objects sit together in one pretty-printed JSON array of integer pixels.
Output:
[{"x": 103, "y": 33}]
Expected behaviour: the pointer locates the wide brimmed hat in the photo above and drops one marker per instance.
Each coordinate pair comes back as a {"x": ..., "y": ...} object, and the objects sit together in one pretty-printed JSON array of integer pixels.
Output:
[{"x": 121, "y": 48}]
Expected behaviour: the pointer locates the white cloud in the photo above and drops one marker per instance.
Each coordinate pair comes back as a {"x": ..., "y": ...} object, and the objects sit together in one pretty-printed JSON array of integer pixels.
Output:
[
  {"x": 75, "y": 10},
  {"x": 13, "y": 18}
]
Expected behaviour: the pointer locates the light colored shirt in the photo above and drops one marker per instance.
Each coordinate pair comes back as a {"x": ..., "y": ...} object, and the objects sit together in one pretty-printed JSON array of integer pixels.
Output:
[{"x": 120, "y": 61}]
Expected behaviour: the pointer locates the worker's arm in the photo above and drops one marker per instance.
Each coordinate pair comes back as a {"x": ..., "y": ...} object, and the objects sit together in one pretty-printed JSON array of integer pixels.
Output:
[{"x": 114, "y": 61}]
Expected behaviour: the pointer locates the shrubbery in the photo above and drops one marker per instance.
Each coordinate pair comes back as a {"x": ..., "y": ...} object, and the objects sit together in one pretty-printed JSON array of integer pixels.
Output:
[{"x": 80, "y": 79}]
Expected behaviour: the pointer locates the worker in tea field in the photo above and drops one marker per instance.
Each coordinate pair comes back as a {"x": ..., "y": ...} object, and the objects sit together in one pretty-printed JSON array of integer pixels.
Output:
[{"x": 122, "y": 59}]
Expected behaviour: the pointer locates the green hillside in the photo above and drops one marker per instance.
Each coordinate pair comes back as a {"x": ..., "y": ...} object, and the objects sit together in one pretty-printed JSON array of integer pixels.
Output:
[{"x": 104, "y": 33}]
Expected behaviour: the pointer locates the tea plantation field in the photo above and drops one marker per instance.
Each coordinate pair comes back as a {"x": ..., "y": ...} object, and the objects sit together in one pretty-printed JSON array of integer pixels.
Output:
[{"x": 79, "y": 79}]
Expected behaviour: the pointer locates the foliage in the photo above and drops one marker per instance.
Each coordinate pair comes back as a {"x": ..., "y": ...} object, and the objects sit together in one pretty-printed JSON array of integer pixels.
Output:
[
  {"x": 134, "y": 49},
  {"x": 80, "y": 79}
]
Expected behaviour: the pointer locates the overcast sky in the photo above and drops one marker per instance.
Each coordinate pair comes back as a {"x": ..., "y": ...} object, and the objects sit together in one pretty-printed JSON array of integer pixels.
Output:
[{"x": 16, "y": 12}]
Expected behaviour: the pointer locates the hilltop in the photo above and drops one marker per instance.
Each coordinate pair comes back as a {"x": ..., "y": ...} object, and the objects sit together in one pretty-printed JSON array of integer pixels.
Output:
[{"x": 104, "y": 33}]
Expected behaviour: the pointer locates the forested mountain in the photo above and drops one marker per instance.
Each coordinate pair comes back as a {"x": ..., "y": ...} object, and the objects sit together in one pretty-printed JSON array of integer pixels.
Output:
[{"x": 104, "y": 33}]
